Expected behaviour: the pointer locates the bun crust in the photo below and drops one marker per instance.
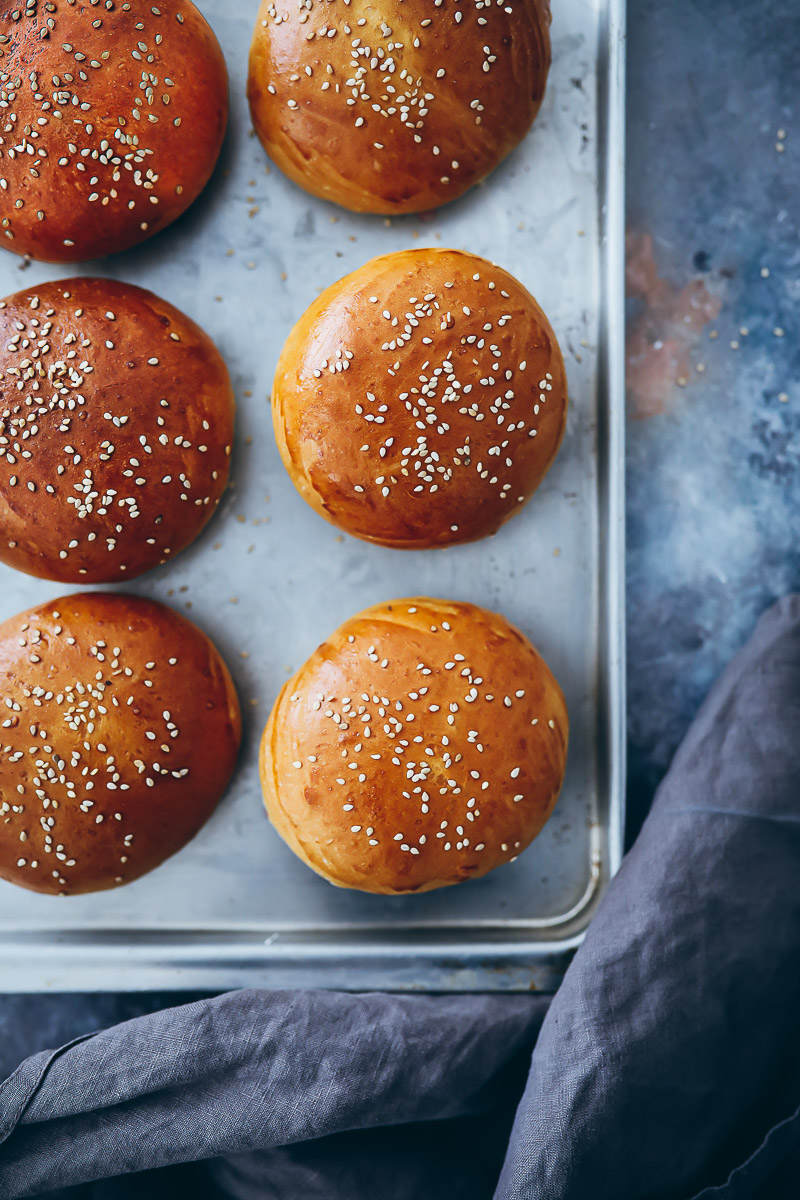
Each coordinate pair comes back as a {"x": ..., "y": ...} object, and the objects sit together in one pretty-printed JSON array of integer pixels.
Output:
[
  {"x": 421, "y": 400},
  {"x": 120, "y": 733},
  {"x": 120, "y": 109},
  {"x": 423, "y": 744},
  {"x": 396, "y": 107},
  {"x": 116, "y": 425}
]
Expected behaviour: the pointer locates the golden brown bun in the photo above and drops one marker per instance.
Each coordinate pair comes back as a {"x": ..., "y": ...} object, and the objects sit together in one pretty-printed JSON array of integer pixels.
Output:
[
  {"x": 396, "y": 107},
  {"x": 112, "y": 121},
  {"x": 421, "y": 400},
  {"x": 423, "y": 744},
  {"x": 119, "y": 734},
  {"x": 116, "y": 424}
]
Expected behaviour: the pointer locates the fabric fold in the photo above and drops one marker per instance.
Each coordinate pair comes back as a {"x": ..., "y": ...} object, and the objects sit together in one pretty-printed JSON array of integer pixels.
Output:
[
  {"x": 659, "y": 1066},
  {"x": 254, "y": 1070}
]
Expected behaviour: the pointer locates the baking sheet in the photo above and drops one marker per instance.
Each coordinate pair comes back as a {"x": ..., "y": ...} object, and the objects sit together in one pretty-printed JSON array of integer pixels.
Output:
[{"x": 268, "y": 580}]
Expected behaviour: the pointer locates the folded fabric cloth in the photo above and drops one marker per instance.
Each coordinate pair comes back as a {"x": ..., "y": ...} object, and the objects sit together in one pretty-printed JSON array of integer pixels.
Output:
[
  {"x": 672, "y": 1046},
  {"x": 666, "y": 1066}
]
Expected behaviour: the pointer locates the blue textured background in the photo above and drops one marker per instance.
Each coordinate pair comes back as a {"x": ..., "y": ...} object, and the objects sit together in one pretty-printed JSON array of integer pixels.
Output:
[
  {"x": 713, "y": 496},
  {"x": 713, "y": 479}
]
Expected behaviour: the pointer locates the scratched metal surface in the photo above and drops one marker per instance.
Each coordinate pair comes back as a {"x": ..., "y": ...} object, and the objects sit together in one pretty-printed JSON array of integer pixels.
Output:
[{"x": 268, "y": 580}]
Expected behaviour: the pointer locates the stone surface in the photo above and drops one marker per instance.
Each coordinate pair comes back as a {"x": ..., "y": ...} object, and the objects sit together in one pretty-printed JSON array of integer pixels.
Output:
[{"x": 713, "y": 479}]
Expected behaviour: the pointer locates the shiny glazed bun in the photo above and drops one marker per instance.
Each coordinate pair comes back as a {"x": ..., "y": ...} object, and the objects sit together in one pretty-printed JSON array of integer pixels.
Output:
[
  {"x": 396, "y": 107},
  {"x": 116, "y": 424},
  {"x": 423, "y": 744},
  {"x": 113, "y": 115},
  {"x": 421, "y": 400},
  {"x": 119, "y": 734}
]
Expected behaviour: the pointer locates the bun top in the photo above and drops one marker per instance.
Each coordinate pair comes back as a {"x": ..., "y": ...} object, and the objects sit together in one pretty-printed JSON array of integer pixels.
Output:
[
  {"x": 113, "y": 118},
  {"x": 120, "y": 732},
  {"x": 422, "y": 744},
  {"x": 420, "y": 400},
  {"x": 396, "y": 107},
  {"x": 116, "y": 424}
]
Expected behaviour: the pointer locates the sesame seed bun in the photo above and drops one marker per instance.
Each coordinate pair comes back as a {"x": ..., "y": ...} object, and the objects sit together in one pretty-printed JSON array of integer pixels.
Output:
[
  {"x": 116, "y": 424},
  {"x": 423, "y": 744},
  {"x": 396, "y": 108},
  {"x": 421, "y": 400},
  {"x": 113, "y": 118},
  {"x": 118, "y": 735}
]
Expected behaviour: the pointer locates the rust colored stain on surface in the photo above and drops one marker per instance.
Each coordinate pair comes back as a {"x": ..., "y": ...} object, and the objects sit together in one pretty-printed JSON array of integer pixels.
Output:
[{"x": 664, "y": 331}]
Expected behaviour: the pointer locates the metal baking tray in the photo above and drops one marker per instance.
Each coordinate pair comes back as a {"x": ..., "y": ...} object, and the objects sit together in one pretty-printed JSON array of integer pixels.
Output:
[{"x": 268, "y": 580}]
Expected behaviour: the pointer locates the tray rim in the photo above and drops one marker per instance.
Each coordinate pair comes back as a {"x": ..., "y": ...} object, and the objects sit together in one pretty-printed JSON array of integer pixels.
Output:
[{"x": 208, "y": 960}]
